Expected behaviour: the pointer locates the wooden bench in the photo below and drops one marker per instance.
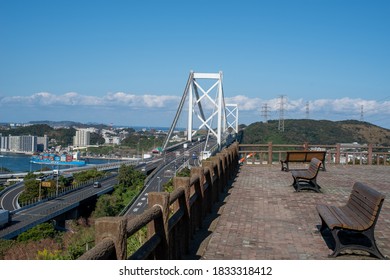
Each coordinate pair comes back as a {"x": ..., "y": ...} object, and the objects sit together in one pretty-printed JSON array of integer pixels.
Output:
[
  {"x": 353, "y": 224},
  {"x": 308, "y": 176},
  {"x": 302, "y": 156}
]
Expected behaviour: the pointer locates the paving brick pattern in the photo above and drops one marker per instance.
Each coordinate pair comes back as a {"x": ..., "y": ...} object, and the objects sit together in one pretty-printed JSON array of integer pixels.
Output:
[{"x": 264, "y": 218}]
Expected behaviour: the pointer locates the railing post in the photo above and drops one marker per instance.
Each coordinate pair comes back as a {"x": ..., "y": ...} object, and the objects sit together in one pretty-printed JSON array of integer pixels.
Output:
[
  {"x": 212, "y": 184},
  {"x": 200, "y": 205},
  {"x": 199, "y": 189},
  {"x": 338, "y": 151},
  {"x": 217, "y": 162},
  {"x": 160, "y": 226},
  {"x": 113, "y": 228},
  {"x": 269, "y": 152},
  {"x": 231, "y": 164},
  {"x": 369, "y": 154},
  {"x": 186, "y": 227},
  {"x": 224, "y": 173}
]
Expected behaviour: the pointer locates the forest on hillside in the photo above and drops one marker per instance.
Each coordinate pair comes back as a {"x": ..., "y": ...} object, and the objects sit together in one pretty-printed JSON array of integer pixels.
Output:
[{"x": 316, "y": 132}]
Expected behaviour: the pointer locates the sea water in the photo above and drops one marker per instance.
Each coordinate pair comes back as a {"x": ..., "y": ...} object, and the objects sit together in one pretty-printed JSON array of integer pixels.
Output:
[{"x": 21, "y": 163}]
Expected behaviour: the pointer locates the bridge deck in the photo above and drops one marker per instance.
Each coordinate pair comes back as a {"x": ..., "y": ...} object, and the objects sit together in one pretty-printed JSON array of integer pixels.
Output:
[{"x": 262, "y": 217}]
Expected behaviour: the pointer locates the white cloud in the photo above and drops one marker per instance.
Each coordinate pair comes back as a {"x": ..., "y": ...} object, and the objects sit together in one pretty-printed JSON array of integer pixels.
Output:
[
  {"x": 121, "y": 102},
  {"x": 75, "y": 99},
  {"x": 244, "y": 103},
  {"x": 147, "y": 101}
]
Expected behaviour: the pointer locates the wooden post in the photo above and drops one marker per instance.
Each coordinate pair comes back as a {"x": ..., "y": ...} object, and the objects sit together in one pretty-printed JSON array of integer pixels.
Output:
[
  {"x": 217, "y": 162},
  {"x": 197, "y": 178},
  {"x": 113, "y": 228},
  {"x": 338, "y": 151},
  {"x": 369, "y": 154},
  {"x": 229, "y": 163},
  {"x": 224, "y": 173},
  {"x": 160, "y": 226},
  {"x": 269, "y": 152},
  {"x": 213, "y": 187},
  {"x": 184, "y": 233}
]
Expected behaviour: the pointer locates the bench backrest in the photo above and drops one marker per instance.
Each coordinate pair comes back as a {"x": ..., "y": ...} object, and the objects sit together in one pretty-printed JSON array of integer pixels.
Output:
[
  {"x": 366, "y": 203},
  {"x": 314, "y": 166},
  {"x": 305, "y": 156},
  {"x": 315, "y": 154},
  {"x": 296, "y": 156}
]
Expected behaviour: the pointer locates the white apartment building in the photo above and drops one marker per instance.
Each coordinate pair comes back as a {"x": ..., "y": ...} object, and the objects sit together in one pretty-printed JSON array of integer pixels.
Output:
[
  {"x": 25, "y": 143},
  {"x": 82, "y": 138},
  {"x": 4, "y": 143}
]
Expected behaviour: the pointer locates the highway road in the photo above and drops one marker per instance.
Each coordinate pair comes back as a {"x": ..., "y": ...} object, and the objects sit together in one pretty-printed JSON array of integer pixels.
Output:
[
  {"x": 172, "y": 162},
  {"x": 29, "y": 217},
  {"x": 9, "y": 200}
]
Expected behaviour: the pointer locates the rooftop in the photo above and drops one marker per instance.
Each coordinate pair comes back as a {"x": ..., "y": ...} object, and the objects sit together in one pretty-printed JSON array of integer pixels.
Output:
[{"x": 263, "y": 218}]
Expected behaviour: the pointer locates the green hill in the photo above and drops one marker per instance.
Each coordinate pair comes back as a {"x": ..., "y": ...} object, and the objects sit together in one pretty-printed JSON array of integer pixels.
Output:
[{"x": 316, "y": 132}]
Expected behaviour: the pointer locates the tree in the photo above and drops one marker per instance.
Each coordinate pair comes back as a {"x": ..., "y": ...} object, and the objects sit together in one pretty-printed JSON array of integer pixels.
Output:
[
  {"x": 129, "y": 177},
  {"x": 42, "y": 231}
]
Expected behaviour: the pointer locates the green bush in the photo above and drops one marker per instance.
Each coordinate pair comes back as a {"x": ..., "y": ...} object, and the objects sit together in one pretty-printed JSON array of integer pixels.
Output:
[{"x": 42, "y": 231}]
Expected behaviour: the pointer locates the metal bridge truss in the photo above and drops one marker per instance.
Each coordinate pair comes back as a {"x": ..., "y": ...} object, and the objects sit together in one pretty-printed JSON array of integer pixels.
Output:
[
  {"x": 232, "y": 117},
  {"x": 209, "y": 112}
]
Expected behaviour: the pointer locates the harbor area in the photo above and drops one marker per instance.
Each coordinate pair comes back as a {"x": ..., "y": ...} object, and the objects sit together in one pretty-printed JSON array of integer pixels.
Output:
[{"x": 262, "y": 217}]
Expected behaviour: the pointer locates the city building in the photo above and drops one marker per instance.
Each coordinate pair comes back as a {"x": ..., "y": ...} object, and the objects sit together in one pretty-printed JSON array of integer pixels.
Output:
[
  {"x": 4, "y": 143},
  {"x": 42, "y": 143},
  {"x": 82, "y": 138},
  {"x": 24, "y": 143}
]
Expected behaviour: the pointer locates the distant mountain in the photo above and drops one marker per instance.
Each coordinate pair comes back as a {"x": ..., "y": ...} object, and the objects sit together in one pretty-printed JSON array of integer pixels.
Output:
[
  {"x": 61, "y": 123},
  {"x": 316, "y": 132}
]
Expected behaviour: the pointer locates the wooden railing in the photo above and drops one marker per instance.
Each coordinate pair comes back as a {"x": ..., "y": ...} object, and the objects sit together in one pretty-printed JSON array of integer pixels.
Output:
[
  {"x": 336, "y": 154},
  {"x": 172, "y": 218}
]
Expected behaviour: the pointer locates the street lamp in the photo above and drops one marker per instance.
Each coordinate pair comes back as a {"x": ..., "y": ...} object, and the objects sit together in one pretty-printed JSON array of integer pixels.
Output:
[
  {"x": 159, "y": 184},
  {"x": 58, "y": 173},
  {"x": 39, "y": 190}
]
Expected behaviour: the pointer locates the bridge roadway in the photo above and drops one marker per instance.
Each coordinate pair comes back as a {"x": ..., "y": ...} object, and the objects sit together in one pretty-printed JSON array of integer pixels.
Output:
[
  {"x": 9, "y": 196},
  {"x": 27, "y": 218},
  {"x": 172, "y": 162},
  {"x": 104, "y": 166}
]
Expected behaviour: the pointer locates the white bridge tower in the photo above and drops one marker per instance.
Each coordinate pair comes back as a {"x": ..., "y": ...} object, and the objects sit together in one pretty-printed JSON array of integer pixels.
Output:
[{"x": 207, "y": 110}]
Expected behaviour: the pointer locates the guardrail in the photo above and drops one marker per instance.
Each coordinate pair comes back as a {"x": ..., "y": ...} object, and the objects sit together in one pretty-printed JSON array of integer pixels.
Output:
[
  {"x": 61, "y": 192},
  {"x": 172, "y": 218},
  {"x": 336, "y": 154}
]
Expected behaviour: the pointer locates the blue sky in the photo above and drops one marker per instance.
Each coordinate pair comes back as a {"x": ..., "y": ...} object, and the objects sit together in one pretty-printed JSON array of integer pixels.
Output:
[{"x": 127, "y": 62}]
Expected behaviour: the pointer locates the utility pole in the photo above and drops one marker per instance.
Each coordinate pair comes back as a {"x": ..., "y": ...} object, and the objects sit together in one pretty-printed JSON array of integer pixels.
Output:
[{"x": 281, "y": 113}]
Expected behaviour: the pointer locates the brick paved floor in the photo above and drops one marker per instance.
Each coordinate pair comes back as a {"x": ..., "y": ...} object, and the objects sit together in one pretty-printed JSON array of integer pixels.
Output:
[{"x": 263, "y": 217}]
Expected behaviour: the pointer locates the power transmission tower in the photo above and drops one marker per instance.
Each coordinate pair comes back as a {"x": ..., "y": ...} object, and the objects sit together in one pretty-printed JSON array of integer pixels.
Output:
[
  {"x": 264, "y": 112},
  {"x": 307, "y": 110},
  {"x": 361, "y": 113},
  {"x": 281, "y": 113}
]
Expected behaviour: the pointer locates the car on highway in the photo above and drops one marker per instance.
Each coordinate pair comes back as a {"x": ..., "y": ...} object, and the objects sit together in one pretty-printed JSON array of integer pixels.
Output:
[{"x": 97, "y": 184}]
